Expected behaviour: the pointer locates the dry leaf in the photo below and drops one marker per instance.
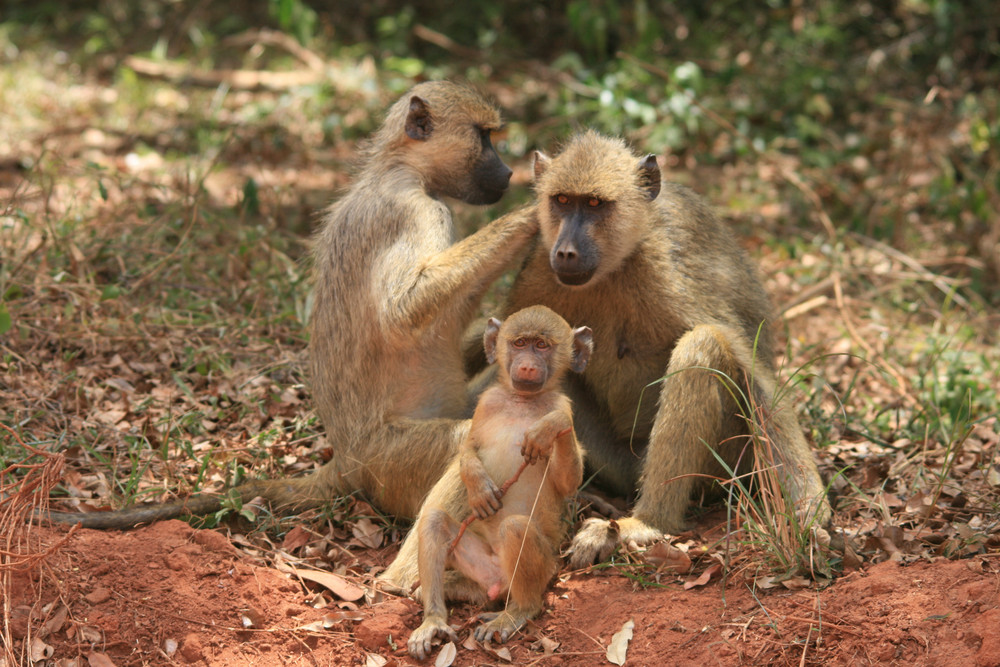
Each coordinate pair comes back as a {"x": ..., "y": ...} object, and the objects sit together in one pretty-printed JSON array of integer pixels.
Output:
[
  {"x": 375, "y": 660},
  {"x": 796, "y": 583},
  {"x": 170, "y": 646},
  {"x": 662, "y": 556},
  {"x": 619, "y": 644},
  {"x": 295, "y": 538},
  {"x": 545, "y": 645},
  {"x": 89, "y": 634},
  {"x": 368, "y": 533},
  {"x": 713, "y": 570},
  {"x": 99, "y": 660},
  {"x": 252, "y": 618},
  {"x": 331, "y": 619},
  {"x": 447, "y": 655},
  {"x": 340, "y": 586},
  {"x": 40, "y": 650},
  {"x": 504, "y": 654},
  {"x": 55, "y": 622}
]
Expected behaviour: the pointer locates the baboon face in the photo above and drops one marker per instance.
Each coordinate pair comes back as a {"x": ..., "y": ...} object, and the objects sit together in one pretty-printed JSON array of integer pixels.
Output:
[
  {"x": 575, "y": 255},
  {"x": 593, "y": 201},
  {"x": 490, "y": 176},
  {"x": 534, "y": 346},
  {"x": 454, "y": 145}
]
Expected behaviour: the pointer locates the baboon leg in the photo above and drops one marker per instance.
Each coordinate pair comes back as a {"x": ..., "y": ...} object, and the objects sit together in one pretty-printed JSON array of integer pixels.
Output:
[
  {"x": 696, "y": 411},
  {"x": 528, "y": 565},
  {"x": 413, "y": 455},
  {"x": 437, "y": 529}
]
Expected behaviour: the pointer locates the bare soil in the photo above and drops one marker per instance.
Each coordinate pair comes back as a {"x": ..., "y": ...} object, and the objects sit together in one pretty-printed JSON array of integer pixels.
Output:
[{"x": 170, "y": 594}]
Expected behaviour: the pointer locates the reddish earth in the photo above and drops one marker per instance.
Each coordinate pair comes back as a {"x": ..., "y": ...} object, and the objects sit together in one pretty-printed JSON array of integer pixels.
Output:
[{"x": 171, "y": 595}]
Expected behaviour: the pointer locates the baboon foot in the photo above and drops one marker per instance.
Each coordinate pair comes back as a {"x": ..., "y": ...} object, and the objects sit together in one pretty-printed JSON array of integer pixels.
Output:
[
  {"x": 597, "y": 539},
  {"x": 500, "y": 623}
]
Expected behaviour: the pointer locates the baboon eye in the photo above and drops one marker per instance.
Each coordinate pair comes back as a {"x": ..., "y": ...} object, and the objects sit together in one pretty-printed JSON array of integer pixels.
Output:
[
  {"x": 562, "y": 199},
  {"x": 519, "y": 342},
  {"x": 594, "y": 202},
  {"x": 541, "y": 345}
]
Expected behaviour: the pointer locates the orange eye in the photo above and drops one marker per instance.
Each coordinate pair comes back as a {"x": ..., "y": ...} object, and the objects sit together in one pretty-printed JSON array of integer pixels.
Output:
[
  {"x": 594, "y": 202},
  {"x": 541, "y": 345},
  {"x": 519, "y": 342},
  {"x": 562, "y": 199}
]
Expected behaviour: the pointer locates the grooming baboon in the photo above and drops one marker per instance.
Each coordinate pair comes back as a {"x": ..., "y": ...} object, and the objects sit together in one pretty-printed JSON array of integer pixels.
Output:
[
  {"x": 513, "y": 546},
  {"x": 393, "y": 295},
  {"x": 668, "y": 294}
]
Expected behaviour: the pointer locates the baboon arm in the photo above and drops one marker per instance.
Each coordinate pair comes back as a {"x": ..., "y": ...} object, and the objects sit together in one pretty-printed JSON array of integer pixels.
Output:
[
  {"x": 484, "y": 495},
  {"x": 436, "y": 286},
  {"x": 568, "y": 464},
  {"x": 552, "y": 436}
]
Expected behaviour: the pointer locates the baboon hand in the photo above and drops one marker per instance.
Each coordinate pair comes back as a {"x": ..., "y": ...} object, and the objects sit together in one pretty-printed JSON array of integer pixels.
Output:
[
  {"x": 420, "y": 642},
  {"x": 598, "y": 538},
  {"x": 541, "y": 436},
  {"x": 484, "y": 497}
]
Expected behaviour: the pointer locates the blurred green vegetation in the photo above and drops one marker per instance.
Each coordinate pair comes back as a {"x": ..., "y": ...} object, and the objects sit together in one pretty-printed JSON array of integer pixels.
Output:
[{"x": 837, "y": 84}]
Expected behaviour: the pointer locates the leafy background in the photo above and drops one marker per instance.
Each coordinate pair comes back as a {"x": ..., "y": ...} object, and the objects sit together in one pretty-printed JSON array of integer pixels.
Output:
[{"x": 163, "y": 164}]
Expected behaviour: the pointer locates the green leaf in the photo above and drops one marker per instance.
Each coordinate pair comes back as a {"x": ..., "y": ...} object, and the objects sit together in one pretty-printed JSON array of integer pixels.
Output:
[
  {"x": 110, "y": 292},
  {"x": 6, "y": 322}
]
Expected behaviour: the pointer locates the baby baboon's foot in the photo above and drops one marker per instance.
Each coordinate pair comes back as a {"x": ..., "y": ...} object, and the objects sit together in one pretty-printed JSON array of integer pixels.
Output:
[
  {"x": 420, "y": 642},
  {"x": 500, "y": 623},
  {"x": 597, "y": 539}
]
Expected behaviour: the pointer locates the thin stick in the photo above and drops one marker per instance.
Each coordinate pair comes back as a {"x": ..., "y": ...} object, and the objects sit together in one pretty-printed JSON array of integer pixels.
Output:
[{"x": 503, "y": 490}]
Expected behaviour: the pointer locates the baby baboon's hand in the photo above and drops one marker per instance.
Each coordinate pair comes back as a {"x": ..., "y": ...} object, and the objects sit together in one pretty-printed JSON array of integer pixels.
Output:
[
  {"x": 484, "y": 498},
  {"x": 541, "y": 437}
]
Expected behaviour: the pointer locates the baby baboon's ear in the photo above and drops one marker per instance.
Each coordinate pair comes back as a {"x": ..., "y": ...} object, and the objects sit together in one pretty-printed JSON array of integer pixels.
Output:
[
  {"x": 583, "y": 345},
  {"x": 490, "y": 339}
]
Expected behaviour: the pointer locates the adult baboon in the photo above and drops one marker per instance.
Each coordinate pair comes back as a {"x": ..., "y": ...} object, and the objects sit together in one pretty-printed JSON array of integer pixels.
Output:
[
  {"x": 393, "y": 295},
  {"x": 668, "y": 294}
]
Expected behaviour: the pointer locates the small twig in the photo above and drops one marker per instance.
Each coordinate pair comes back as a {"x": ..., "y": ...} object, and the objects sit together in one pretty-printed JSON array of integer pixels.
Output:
[
  {"x": 280, "y": 40},
  {"x": 503, "y": 491},
  {"x": 445, "y": 42}
]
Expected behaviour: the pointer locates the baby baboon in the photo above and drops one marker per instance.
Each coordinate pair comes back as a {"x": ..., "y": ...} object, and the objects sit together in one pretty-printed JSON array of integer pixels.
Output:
[
  {"x": 513, "y": 546},
  {"x": 668, "y": 294},
  {"x": 393, "y": 295}
]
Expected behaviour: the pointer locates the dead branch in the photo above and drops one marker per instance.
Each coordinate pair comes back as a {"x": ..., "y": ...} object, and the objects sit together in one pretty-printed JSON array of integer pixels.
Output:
[{"x": 234, "y": 78}]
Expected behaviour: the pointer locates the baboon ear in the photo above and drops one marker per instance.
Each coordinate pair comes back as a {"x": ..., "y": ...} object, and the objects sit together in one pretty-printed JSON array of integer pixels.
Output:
[
  {"x": 419, "y": 123},
  {"x": 490, "y": 339},
  {"x": 649, "y": 176},
  {"x": 539, "y": 163},
  {"x": 583, "y": 345}
]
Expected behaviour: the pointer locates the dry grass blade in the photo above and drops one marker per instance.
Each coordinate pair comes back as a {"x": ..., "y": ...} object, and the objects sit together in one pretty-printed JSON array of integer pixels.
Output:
[{"x": 24, "y": 487}]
